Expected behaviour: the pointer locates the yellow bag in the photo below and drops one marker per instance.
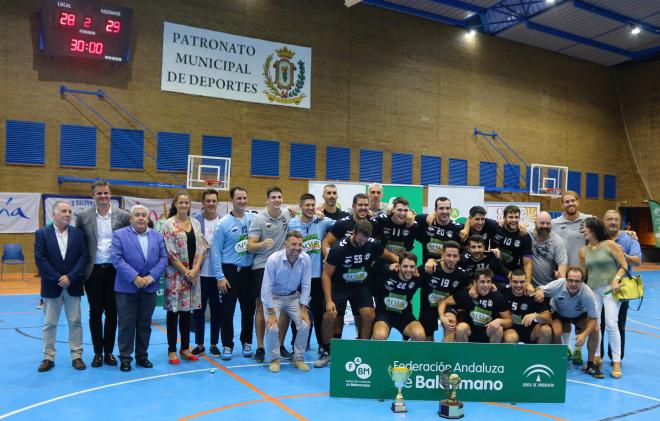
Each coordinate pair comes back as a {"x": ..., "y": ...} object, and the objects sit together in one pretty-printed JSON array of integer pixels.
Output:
[{"x": 630, "y": 288}]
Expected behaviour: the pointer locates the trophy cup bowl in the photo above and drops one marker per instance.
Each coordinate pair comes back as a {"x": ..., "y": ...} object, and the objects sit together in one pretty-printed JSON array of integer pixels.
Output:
[
  {"x": 399, "y": 376},
  {"x": 451, "y": 407}
]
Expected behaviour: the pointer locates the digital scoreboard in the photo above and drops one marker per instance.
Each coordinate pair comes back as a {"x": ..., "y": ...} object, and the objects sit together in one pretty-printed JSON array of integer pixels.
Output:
[{"x": 85, "y": 29}]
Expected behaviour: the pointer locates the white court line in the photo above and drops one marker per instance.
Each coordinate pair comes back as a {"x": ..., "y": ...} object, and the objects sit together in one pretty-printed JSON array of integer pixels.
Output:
[
  {"x": 94, "y": 389},
  {"x": 644, "y": 324},
  {"x": 615, "y": 390}
]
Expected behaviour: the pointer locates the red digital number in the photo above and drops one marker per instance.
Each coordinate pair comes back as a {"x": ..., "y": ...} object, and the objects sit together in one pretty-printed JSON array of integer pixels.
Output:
[
  {"x": 67, "y": 19},
  {"x": 77, "y": 45},
  {"x": 112, "y": 26},
  {"x": 88, "y": 22},
  {"x": 95, "y": 47},
  {"x": 80, "y": 46}
]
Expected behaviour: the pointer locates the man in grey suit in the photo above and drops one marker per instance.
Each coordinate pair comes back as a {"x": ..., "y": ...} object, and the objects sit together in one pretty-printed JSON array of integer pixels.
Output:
[{"x": 98, "y": 222}]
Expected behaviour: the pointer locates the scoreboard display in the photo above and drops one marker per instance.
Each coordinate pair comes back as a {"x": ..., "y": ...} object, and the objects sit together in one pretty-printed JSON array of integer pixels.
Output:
[{"x": 85, "y": 29}]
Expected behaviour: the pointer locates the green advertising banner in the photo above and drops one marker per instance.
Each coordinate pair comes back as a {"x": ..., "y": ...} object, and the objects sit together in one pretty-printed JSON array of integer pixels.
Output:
[
  {"x": 489, "y": 372},
  {"x": 654, "y": 207}
]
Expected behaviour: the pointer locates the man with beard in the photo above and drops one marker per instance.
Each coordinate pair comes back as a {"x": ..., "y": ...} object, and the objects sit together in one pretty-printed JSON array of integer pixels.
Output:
[
  {"x": 480, "y": 225},
  {"x": 330, "y": 209},
  {"x": 285, "y": 289},
  {"x": 208, "y": 219},
  {"x": 394, "y": 307},
  {"x": 530, "y": 319},
  {"x": 570, "y": 227},
  {"x": 446, "y": 279},
  {"x": 344, "y": 274},
  {"x": 486, "y": 317},
  {"x": 477, "y": 258},
  {"x": 633, "y": 254},
  {"x": 344, "y": 228},
  {"x": 515, "y": 248},
  {"x": 232, "y": 267},
  {"x": 549, "y": 261},
  {"x": 437, "y": 228}
]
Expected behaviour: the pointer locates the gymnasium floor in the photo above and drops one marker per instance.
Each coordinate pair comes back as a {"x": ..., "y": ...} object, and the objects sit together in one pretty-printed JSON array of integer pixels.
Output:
[{"x": 241, "y": 389}]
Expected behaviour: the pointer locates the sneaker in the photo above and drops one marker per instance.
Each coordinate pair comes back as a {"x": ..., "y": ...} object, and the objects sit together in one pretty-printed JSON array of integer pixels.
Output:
[
  {"x": 300, "y": 365},
  {"x": 226, "y": 353},
  {"x": 285, "y": 354},
  {"x": 260, "y": 355},
  {"x": 199, "y": 349},
  {"x": 594, "y": 372},
  {"x": 247, "y": 350},
  {"x": 215, "y": 352},
  {"x": 576, "y": 357},
  {"x": 274, "y": 366},
  {"x": 323, "y": 360},
  {"x": 40, "y": 306}
]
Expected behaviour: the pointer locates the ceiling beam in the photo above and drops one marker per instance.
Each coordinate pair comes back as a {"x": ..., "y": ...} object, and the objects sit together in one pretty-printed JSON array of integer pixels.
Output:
[
  {"x": 596, "y": 10},
  {"x": 579, "y": 39},
  {"x": 414, "y": 12},
  {"x": 508, "y": 13},
  {"x": 458, "y": 4}
]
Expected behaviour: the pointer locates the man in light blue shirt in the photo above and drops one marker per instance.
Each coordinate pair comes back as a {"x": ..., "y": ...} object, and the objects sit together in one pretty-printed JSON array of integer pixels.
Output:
[
  {"x": 285, "y": 288},
  {"x": 633, "y": 254},
  {"x": 232, "y": 268},
  {"x": 313, "y": 230}
]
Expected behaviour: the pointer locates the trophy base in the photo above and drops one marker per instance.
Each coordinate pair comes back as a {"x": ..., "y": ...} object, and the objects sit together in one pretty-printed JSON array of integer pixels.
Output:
[
  {"x": 451, "y": 410},
  {"x": 399, "y": 407}
]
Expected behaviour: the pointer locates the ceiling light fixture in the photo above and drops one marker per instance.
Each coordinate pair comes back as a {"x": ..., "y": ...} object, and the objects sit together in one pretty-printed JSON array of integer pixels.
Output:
[{"x": 635, "y": 30}]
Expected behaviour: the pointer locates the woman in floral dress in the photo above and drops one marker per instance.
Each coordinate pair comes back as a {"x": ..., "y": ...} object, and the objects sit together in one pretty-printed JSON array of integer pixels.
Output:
[{"x": 186, "y": 247}]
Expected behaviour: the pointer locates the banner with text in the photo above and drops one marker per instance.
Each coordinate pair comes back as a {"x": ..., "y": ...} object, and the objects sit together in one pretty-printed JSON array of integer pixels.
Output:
[
  {"x": 78, "y": 203},
  {"x": 654, "y": 208},
  {"x": 19, "y": 212},
  {"x": 489, "y": 372},
  {"x": 198, "y": 61},
  {"x": 529, "y": 211}
]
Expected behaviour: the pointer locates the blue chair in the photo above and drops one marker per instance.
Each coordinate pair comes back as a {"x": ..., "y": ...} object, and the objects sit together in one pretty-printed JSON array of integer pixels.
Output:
[{"x": 12, "y": 254}]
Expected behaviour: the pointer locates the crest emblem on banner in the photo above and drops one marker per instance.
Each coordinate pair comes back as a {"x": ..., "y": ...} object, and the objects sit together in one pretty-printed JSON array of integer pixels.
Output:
[{"x": 280, "y": 75}]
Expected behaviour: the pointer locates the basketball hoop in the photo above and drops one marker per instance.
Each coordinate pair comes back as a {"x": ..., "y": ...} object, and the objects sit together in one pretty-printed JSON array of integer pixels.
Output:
[
  {"x": 212, "y": 183},
  {"x": 553, "y": 192}
]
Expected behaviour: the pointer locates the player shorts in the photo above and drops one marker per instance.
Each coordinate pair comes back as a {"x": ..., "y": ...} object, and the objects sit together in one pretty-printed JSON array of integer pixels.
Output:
[
  {"x": 256, "y": 280},
  {"x": 478, "y": 334},
  {"x": 525, "y": 333},
  {"x": 398, "y": 321},
  {"x": 358, "y": 295},
  {"x": 428, "y": 317},
  {"x": 570, "y": 320}
]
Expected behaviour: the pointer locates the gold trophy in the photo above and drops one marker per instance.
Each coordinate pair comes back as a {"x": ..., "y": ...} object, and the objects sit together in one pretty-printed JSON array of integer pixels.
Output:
[
  {"x": 399, "y": 376},
  {"x": 450, "y": 407}
]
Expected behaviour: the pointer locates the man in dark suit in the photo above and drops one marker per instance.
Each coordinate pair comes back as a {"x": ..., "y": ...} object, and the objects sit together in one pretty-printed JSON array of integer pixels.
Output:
[
  {"x": 140, "y": 257},
  {"x": 61, "y": 256},
  {"x": 98, "y": 222}
]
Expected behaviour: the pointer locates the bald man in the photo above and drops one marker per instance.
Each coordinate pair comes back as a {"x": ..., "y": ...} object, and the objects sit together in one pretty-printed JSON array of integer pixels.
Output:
[
  {"x": 549, "y": 258},
  {"x": 375, "y": 193}
]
